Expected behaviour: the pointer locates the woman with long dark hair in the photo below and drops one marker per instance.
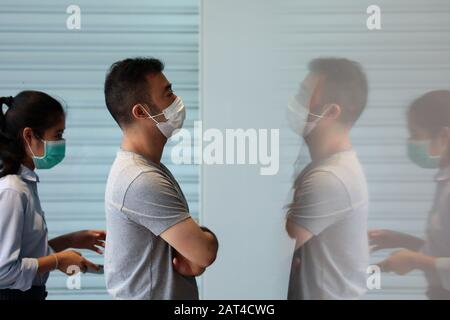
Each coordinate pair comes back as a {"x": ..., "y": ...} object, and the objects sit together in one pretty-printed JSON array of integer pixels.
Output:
[{"x": 31, "y": 137}]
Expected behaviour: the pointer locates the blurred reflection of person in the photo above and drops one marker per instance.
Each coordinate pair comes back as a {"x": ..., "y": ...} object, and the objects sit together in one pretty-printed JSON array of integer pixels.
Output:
[
  {"x": 428, "y": 147},
  {"x": 327, "y": 217}
]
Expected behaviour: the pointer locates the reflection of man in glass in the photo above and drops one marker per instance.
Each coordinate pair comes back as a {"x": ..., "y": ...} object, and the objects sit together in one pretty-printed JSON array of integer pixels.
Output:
[
  {"x": 328, "y": 214},
  {"x": 428, "y": 147}
]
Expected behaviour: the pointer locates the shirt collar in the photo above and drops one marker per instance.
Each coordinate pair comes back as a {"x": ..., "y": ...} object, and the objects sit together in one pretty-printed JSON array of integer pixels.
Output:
[
  {"x": 27, "y": 174},
  {"x": 443, "y": 174},
  {"x": 132, "y": 154}
]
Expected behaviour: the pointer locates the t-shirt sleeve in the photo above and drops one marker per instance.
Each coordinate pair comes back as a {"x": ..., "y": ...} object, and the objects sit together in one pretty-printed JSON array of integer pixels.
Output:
[
  {"x": 152, "y": 201},
  {"x": 320, "y": 200}
]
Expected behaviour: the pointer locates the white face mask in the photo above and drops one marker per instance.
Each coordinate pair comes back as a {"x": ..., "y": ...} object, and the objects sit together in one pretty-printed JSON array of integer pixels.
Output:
[
  {"x": 297, "y": 116},
  {"x": 175, "y": 115}
]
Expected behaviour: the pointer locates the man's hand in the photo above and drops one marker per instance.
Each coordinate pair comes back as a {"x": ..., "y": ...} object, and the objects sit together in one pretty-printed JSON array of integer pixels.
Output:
[
  {"x": 88, "y": 239},
  {"x": 185, "y": 267}
]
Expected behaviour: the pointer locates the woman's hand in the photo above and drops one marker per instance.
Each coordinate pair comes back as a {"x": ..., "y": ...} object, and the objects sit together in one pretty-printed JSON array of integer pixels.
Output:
[
  {"x": 71, "y": 262},
  {"x": 401, "y": 262},
  {"x": 387, "y": 239},
  {"x": 88, "y": 239},
  {"x": 404, "y": 261},
  {"x": 383, "y": 239}
]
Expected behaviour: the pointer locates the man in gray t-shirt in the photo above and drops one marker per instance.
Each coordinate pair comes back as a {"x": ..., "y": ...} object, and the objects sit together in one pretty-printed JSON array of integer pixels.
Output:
[
  {"x": 154, "y": 249},
  {"x": 331, "y": 202},
  {"x": 142, "y": 201},
  {"x": 327, "y": 216}
]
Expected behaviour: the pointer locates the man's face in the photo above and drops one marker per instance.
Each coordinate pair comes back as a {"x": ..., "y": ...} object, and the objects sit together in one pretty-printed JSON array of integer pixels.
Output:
[
  {"x": 159, "y": 89},
  {"x": 310, "y": 92},
  {"x": 324, "y": 115},
  {"x": 161, "y": 94}
]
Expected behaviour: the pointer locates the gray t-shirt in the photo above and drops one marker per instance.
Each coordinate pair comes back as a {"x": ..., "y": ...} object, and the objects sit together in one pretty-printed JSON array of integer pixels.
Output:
[
  {"x": 142, "y": 200},
  {"x": 331, "y": 201}
]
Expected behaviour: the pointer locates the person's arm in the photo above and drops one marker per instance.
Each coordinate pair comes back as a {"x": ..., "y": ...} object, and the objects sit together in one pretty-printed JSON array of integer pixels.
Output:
[
  {"x": 319, "y": 201},
  {"x": 196, "y": 245},
  {"x": 298, "y": 233},
  {"x": 153, "y": 202},
  {"x": 16, "y": 272},
  {"x": 387, "y": 239},
  {"x": 47, "y": 264},
  {"x": 187, "y": 268},
  {"x": 60, "y": 243},
  {"x": 85, "y": 239},
  {"x": 404, "y": 261},
  {"x": 69, "y": 262}
]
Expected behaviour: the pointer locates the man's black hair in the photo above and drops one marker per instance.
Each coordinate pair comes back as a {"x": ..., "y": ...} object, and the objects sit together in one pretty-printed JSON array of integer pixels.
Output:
[{"x": 126, "y": 85}]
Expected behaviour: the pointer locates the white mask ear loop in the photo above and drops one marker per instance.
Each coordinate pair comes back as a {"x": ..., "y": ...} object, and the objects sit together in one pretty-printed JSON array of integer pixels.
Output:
[
  {"x": 29, "y": 148},
  {"x": 316, "y": 115},
  {"x": 323, "y": 114},
  {"x": 32, "y": 153},
  {"x": 150, "y": 116}
]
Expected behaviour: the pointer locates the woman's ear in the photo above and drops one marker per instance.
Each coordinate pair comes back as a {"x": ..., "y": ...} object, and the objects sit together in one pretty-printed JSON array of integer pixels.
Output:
[
  {"x": 446, "y": 133},
  {"x": 444, "y": 136},
  {"x": 444, "y": 140},
  {"x": 27, "y": 135}
]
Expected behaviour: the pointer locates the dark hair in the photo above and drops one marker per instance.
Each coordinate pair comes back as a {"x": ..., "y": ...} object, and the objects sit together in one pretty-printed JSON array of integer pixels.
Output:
[
  {"x": 345, "y": 84},
  {"x": 431, "y": 111},
  {"x": 126, "y": 85},
  {"x": 33, "y": 109}
]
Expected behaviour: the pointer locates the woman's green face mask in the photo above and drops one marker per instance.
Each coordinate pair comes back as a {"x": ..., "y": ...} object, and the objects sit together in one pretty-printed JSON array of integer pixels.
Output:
[
  {"x": 54, "y": 153},
  {"x": 418, "y": 152}
]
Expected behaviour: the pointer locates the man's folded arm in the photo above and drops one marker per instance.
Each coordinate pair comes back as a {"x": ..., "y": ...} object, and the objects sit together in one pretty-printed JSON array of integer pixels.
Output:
[
  {"x": 300, "y": 234},
  {"x": 320, "y": 201},
  {"x": 197, "y": 244},
  {"x": 153, "y": 202}
]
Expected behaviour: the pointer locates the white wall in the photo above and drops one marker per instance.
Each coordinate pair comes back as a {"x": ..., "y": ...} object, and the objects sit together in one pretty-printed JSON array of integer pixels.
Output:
[{"x": 238, "y": 90}]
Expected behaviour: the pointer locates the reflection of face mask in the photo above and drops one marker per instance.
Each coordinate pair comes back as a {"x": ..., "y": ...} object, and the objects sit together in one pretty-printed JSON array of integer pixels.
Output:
[
  {"x": 175, "y": 115},
  {"x": 54, "y": 153},
  {"x": 419, "y": 154},
  {"x": 297, "y": 115}
]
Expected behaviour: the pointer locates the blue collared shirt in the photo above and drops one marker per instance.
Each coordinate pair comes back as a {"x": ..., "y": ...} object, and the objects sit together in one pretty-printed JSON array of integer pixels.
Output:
[
  {"x": 438, "y": 236},
  {"x": 23, "y": 231}
]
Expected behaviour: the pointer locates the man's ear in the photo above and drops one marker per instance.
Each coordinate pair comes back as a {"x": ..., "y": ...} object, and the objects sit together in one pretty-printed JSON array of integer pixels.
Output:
[
  {"x": 334, "y": 111},
  {"x": 138, "y": 112}
]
